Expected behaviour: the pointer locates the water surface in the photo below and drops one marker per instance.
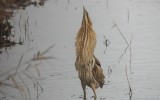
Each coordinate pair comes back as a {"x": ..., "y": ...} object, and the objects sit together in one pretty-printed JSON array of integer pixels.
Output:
[{"x": 57, "y": 22}]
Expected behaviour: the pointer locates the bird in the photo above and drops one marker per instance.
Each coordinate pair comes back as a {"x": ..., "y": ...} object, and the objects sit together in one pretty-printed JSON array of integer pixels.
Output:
[{"x": 87, "y": 65}]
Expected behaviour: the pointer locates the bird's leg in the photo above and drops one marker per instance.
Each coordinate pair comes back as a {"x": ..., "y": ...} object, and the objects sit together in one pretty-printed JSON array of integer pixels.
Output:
[
  {"x": 84, "y": 90},
  {"x": 94, "y": 90}
]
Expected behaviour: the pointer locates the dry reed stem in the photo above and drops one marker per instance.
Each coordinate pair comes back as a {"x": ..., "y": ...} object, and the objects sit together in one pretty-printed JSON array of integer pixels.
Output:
[
  {"x": 19, "y": 63},
  {"x": 128, "y": 15},
  {"x": 122, "y": 34},
  {"x": 131, "y": 54},
  {"x": 123, "y": 39},
  {"x": 28, "y": 21},
  {"x": 17, "y": 86},
  {"x": 20, "y": 23},
  {"x": 130, "y": 89},
  {"x": 25, "y": 85}
]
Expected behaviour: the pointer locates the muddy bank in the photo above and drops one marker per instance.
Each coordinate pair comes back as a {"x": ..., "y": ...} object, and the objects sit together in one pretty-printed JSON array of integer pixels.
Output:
[{"x": 7, "y": 8}]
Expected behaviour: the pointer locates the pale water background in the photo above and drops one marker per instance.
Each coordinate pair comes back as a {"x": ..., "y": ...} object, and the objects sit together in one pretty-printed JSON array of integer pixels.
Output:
[{"x": 58, "y": 21}]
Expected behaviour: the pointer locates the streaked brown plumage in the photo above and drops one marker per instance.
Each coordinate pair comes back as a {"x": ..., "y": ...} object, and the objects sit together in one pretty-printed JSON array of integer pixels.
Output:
[{"x": 87, "y": 65}]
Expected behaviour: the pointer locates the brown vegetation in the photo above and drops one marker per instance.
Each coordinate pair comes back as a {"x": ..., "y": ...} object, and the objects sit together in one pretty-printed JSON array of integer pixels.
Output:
[{"x": 7, "y": 8}]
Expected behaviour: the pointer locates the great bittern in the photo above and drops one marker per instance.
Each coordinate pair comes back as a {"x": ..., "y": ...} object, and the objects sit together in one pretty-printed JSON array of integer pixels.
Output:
[{"x": 87, "y": 65}]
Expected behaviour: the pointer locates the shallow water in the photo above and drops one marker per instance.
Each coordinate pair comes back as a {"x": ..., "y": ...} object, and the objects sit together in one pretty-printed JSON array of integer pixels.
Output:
[{"x": 57, "y": 22}]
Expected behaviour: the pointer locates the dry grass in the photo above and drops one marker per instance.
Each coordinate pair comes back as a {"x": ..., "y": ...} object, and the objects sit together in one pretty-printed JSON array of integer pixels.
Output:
[{"x": 17, "y": 81}]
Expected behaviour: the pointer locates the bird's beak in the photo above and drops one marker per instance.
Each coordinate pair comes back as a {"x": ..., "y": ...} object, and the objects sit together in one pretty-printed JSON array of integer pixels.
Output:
[
  {"x": 86, "y": 18},
  {"x": 84, "y": 11}
]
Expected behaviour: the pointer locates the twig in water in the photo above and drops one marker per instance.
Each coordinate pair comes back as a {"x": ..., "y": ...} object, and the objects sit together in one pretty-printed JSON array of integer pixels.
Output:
[
  {"x": 107, "y": 5},
  {"x": 25, "y": 85},
  {"x": 113, "y": 26},
  {"x": 109, "y": 71},
  {"x": 106, "y": 42},
  {"x": 22, "y": 87},
  {"x": 28, "y": 21},
  {"x": 48, "y": 49},
  {"x": 35, "y": 23},
  {"x": 28, "y": 39},
  {"x": 40, "y": 56},
  {"x": 37, "y": 91},
  {"x": 124, "y": 40},
  {"x": 19, "y": 63},
  {"x": 128, "y": 15},
  {"x": 130, "y": 89},
  {"x": 17, "y": 86},
  {"x": 131, "y": 54},
  {"x": 20, "y": 24},
  {"x": 25, "y": 29},
  {"x": 35, "y": 82},
  {"x": 29, "y": 76},
  {"x": 124, "y": 52},
  {"x": 8, "y": 85},
  {"x": 37, "y": 87},
  {"x": 7, "y": 55},
  {"x": 122, "y": 34},
  {"x": 36, "y": 68}
]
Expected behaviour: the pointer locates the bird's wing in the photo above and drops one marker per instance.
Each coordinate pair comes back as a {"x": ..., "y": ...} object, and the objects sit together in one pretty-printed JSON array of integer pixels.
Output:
[
  {"x": 98, "y": 73},
  {"x": 97, "y": 62}
]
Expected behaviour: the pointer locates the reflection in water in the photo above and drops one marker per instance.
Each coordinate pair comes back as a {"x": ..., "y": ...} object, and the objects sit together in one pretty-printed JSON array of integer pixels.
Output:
[
  {"x": 5, "y": 29},
  {"x": 106, "y": 43},
  {"x": 7, "y": 8}
]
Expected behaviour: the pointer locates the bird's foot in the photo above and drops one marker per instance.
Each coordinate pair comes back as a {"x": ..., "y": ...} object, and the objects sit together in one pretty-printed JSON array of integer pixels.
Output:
[{"x": 95, "y": 97}]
